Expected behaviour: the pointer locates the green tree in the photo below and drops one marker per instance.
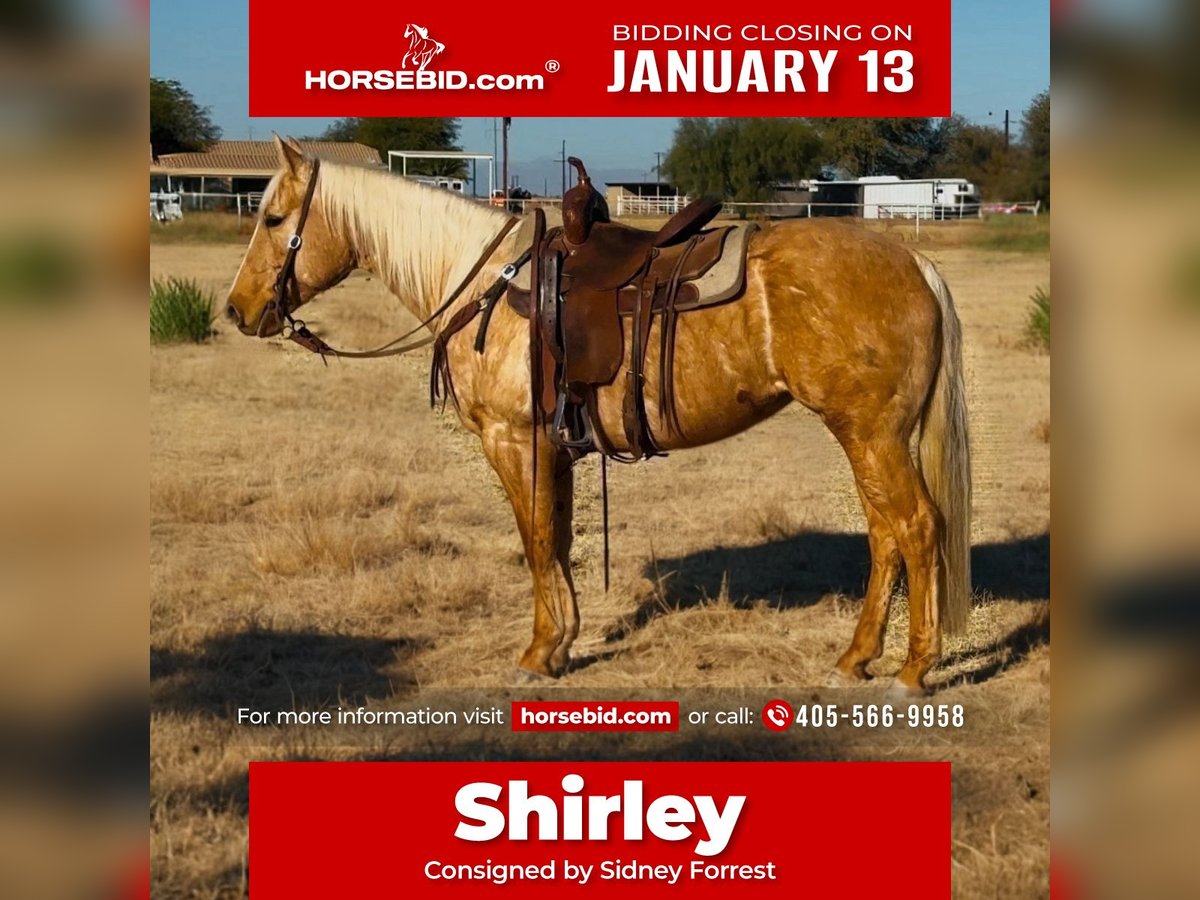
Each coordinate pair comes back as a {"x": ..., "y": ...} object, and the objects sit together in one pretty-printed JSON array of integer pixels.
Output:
[
  {"x": 977, "y": 153},
  {"x": 768, "y": 152},
  {"x": 966, "y": 149},
  {"x": 405, "y": 134},
  {"x": 741, "y": 159},
  {"x": 696, "y": 162},
  {"x": 906, "y": 147},
  {"x": 1035, "y": 136},
  {"x": 178, "y": 124}
]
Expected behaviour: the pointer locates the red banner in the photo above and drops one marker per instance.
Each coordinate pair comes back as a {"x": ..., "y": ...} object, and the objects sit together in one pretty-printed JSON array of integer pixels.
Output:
[
  {"x": 696, "y": 830},
  {"x": 858, "y": 58}
]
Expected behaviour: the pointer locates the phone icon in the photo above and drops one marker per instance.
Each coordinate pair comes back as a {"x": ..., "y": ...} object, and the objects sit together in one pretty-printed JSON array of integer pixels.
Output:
[{"x": 777, "y": 715}]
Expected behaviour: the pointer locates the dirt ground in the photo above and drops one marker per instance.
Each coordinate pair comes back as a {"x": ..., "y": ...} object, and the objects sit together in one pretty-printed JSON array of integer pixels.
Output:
[{"x": 320, "y": 537}]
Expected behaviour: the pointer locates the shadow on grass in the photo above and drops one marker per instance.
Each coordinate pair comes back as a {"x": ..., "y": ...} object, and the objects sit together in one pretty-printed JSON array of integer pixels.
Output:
[
  {"x": 799, "y": 570},
  {"x": 1003, "y": 653},
  {"x": 272, "y": 670}
]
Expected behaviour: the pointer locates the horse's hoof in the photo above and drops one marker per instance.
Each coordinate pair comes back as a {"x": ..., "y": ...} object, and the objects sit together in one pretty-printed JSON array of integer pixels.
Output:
[
  {"x": 852, "y": 676},
  {"x": 899, "y": 692},
  {"x": 524, "y": 677},
  {"x": 840, "y": 679}
]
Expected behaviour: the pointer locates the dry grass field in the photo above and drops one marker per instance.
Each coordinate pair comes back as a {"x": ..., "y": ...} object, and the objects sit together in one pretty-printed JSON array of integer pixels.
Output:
[{"x": 320, "y": 537}]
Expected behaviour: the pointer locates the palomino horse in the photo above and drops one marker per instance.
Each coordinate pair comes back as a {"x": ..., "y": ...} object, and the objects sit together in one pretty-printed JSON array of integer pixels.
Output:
[
  {"x": 852, "y": 325},
  {"x": 421, "y": 48}
]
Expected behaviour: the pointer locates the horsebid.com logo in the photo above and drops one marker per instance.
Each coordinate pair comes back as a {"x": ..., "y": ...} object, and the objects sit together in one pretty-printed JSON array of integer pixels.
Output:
[
  {"x": 422, "y": 50},
  {"x": 421, "y": 47}
]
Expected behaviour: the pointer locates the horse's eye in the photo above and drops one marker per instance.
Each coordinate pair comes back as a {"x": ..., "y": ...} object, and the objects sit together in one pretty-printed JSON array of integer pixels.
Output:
[{"x": 271, "y": 221}]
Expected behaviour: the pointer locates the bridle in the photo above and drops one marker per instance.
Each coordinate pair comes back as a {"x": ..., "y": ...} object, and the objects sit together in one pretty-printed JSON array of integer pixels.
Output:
[
  {"x": 285, "y": 282},
  {"x": 287, "y": 288}
]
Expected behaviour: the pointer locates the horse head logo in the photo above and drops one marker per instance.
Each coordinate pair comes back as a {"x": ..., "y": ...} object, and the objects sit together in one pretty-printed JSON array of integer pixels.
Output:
[{"x": 421, "y": 47}]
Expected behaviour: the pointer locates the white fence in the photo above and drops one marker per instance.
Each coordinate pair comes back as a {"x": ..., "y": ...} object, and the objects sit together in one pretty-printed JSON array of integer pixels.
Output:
[
  {"x": 913, "y": 212},
  {"x": 209, "y": 201},
  {"x": 520, "y": 207},
  {"x": 247, "y": 204},
  {"x": 250, "y": 202},
  {"x": 649, "y": 206}
]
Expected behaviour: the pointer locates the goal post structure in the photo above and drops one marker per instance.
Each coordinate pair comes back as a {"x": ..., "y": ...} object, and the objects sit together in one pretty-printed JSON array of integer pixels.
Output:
[{"x": 405, "y": 155}]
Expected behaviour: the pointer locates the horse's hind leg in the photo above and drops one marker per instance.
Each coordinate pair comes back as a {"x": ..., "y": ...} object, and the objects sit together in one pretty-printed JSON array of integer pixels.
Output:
[
  {"x": 867, "y": 644},
  {"x": 889, "y": 482},
  {"x": 544, "y": 520}
]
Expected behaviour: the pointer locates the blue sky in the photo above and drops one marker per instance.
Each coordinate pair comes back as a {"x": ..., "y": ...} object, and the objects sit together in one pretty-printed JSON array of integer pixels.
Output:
[{"x": 1001, "y": 59}]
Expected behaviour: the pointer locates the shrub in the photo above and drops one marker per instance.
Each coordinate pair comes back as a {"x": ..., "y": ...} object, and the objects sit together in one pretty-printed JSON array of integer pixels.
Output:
[
  {"x": 1037, "y": 326},
  {"x": 180, "y": 310}
]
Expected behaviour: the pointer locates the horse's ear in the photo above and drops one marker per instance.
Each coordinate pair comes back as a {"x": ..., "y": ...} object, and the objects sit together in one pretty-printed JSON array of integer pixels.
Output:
[
  {"x": 294, "y": 144},
  {"x": 290, "y": 156}
]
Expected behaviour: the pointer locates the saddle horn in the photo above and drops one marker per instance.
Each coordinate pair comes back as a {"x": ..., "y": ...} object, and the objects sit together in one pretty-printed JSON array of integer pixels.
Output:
[
  {"x": 581, "y": 174},
  {"x": 582, "y": 205}
]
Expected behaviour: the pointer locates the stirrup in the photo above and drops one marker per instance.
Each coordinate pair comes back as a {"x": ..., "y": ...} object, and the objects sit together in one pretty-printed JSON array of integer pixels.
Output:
[{"x": 561, "y": 430}]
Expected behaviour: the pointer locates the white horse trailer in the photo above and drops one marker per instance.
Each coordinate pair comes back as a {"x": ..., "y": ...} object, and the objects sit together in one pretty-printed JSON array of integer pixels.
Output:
[{"x": 890, "y": 197}]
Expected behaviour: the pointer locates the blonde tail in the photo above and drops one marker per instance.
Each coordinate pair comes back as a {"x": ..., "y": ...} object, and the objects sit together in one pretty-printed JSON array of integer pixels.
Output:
[{"x": 944, "y": 456}]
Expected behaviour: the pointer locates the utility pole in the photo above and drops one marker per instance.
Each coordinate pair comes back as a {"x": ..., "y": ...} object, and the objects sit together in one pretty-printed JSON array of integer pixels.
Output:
[
  {"x": 657, "y": 173},
  {"x": 504, "y": 175},
  {"x": 495, "y": 149},
  {"x": 1005, "y": 129},
  {"x": 562, "y": 158}
]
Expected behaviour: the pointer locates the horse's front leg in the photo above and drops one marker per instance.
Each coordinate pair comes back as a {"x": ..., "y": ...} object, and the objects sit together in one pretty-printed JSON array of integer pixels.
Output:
[{"x": 541, "y": 497}]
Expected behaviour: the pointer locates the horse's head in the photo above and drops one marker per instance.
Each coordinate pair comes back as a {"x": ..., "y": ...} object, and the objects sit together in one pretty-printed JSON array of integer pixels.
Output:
[
  {"x": 324, "y": 258},
  {"x": 410, "y": 30}
]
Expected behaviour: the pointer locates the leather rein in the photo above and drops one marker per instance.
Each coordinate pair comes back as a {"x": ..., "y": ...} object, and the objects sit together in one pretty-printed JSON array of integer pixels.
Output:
[{"x": 287, "y": 289}]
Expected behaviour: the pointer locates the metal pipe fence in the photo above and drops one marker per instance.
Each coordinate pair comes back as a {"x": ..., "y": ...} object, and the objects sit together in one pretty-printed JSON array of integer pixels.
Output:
[
  {"x": 520, "y": 207},
  {"x": 210, "y": 201},
  {"x": 812, "y": 210},
  {"x": 247, "y": 204},
  {"x": 651, "y": 206}
]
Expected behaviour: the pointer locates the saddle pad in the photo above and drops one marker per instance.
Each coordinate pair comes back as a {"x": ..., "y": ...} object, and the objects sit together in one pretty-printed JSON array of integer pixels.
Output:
[{"x": 727, "y": 276}]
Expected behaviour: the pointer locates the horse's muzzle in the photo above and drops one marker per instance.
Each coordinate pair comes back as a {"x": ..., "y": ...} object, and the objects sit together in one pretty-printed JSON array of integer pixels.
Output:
[
  {"x": 270, "y": 323},
  {"x": 267, "y": 324},
  {"x": 234, "y": 315}
]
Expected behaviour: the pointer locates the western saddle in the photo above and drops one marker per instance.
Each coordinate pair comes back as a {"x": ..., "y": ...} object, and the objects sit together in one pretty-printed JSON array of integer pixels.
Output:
[{"x": 585, "y": 278}]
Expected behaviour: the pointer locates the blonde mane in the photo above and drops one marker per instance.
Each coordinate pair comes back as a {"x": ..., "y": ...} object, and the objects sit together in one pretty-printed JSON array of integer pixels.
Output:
[{"x": 422, "y": 241}]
